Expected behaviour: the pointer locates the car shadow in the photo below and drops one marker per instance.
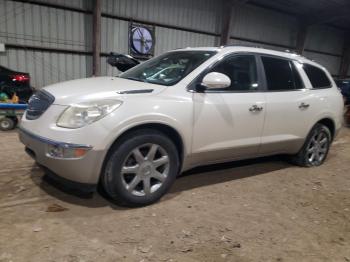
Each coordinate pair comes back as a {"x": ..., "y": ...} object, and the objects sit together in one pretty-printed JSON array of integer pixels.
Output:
[
  {"x": 194, "y": 178},
  {"x": 68, "y": 195},
  {"x": 224, "y": 172}
]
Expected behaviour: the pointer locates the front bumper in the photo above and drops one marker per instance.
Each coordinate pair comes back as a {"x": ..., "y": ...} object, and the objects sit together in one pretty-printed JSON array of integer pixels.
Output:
[{"x": 85, "y": 170}]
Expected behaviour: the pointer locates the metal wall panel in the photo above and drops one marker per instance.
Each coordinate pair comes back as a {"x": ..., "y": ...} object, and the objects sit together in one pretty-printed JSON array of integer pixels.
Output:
[
  {"x": 40, "y": 26},
  {"x": 82, "y": 4},
  {"x": 194, "y": 14},
  {"x": 332, "y": 63},
  {"x": 47, "y": 67},
  {"x": 263, "y": 25},
  {"x": 114, "y": 35},
  {"x": 107, "y": 70},
  {"x": 35, "y": 25},
  {"x": 168, "y": 39},
  {"x": 115, "y": 39},
  {"x": 252, "y": 44},
  {"x": 326, "y": 39}
]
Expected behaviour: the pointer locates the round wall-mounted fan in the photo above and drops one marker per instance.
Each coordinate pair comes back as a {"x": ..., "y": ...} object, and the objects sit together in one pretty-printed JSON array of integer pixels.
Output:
[{"x": 141, "y": 41}]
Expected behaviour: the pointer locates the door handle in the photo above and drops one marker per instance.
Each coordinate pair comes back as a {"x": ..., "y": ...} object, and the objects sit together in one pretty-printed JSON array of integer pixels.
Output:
[
  {"x": 303, "y": 105},
  {"x": 255, "y": 108}
]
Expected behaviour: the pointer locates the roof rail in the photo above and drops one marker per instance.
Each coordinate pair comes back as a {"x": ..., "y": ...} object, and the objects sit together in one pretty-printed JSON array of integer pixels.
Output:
[
  {"x": 239, "y": 45},
  {"x": 293, "y": 52}
]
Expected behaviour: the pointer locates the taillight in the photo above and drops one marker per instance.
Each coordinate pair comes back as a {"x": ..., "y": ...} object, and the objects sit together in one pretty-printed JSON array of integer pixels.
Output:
[{"x": 20, "y": 78}]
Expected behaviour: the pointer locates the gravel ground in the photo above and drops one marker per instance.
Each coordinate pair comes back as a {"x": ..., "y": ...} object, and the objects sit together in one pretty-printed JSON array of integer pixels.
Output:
[{"x": 260, "y": 210}]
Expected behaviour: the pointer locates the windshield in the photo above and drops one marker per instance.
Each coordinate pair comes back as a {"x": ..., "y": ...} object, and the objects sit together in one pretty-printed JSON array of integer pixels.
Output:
[{"x": 169, "y": 68}]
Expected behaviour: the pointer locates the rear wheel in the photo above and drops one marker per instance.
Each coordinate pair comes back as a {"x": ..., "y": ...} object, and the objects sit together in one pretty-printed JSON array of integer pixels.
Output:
[
  {"x": 7, "y": 123},
  {"x": 316, "y": 147},
  {"x": 141, "y": 168}
]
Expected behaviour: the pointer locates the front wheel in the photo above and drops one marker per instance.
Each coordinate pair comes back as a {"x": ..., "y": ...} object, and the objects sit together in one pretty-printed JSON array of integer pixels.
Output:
[
  {"x": 316, "y": 147},
  {"x": 140, "y": 168}
]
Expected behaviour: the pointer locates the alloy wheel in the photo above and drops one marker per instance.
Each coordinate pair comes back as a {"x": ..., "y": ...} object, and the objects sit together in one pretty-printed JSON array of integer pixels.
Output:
[
  {"x": 317, "y": 148},
  {"x": 145, "y": 169}
]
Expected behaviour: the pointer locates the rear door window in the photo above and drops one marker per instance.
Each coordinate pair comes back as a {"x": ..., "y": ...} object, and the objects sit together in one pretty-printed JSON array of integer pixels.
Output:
[
  {"x": 317, "y": 77},
  {"x": 281, "y": 74}
]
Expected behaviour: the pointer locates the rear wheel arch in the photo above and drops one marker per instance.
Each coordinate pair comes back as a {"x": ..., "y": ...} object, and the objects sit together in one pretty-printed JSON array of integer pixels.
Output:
[
  {"x": 314, "y": 151},
  {"x": 329, "y": 123}
]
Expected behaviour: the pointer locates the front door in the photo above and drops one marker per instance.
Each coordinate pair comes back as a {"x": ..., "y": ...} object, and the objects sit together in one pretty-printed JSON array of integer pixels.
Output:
[{"x": 228, "y": 122}]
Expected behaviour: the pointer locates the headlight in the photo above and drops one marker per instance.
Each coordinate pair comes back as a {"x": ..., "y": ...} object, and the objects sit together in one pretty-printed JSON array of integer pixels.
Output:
[{"x": 80, "y": 115}]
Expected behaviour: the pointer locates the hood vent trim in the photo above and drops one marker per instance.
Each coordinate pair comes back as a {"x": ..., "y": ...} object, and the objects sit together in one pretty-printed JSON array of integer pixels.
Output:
[{"x": 140, "y": 91}]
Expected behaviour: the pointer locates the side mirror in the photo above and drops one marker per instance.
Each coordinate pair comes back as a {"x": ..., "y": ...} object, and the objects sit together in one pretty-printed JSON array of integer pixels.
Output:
[
  {"x": 122, "y": 62},
  {"x": 215, "y": 80}
]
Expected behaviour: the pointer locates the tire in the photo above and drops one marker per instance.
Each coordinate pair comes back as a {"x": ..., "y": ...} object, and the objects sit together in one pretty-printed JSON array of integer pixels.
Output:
[
  {"x": 15, "y": 120},
  {"x": 140, "y": 168},
  {"x": 317, "y": 143},
  {"x": 7, "y": 124}
]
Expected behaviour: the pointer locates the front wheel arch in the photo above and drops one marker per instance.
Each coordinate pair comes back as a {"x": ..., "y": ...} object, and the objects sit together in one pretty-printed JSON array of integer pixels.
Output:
[
  {"x": 167, "y": 130},
  {"x": 113, "y": 187}
]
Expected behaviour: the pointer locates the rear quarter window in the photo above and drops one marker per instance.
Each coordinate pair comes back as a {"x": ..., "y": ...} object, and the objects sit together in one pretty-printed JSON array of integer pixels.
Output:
[{"x": 317, "y": 77}]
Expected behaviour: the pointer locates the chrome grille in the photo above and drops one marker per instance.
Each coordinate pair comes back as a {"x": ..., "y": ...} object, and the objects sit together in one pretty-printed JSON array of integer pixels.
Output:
[{"x": 38, "y": 104}]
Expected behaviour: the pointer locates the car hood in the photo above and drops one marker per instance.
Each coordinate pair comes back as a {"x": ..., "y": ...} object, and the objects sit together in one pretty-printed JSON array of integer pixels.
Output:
[{"x": 88, "y": 89}]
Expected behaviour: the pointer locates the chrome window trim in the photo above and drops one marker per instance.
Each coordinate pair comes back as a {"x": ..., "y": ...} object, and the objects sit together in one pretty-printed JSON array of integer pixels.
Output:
[{"x": 191, "y": 86}]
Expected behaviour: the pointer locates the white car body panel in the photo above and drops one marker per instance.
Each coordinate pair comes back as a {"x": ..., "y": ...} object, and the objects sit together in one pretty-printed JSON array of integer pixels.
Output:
[
  {"x": 223, "y": 126},
  {"x": 214, "y": 127},
  {"x": 87, "y": 89}
]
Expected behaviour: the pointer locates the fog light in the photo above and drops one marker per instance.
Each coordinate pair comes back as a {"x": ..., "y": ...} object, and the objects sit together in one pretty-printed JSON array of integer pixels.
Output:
[{"x": 57, "y": 151}]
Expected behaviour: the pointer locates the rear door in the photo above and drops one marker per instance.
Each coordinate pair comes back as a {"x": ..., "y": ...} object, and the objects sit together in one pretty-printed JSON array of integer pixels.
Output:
[{"x": 289, "y": 106}]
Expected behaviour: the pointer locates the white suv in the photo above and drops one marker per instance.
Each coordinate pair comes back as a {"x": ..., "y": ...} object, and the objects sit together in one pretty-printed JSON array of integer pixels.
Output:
[{"x": 133, "y": 134}]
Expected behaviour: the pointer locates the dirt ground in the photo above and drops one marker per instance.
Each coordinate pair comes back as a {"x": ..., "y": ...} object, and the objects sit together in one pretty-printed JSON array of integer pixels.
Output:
[{"x": 261, "y": 210}]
